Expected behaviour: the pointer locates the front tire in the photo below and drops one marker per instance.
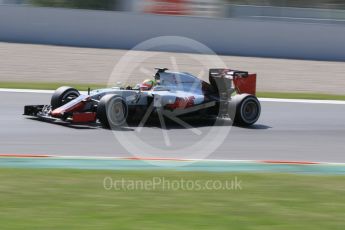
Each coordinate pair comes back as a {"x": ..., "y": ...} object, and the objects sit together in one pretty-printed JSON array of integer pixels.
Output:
[
  {"x": 112, "y": 111},
  {"x": 63, "y": 95}
]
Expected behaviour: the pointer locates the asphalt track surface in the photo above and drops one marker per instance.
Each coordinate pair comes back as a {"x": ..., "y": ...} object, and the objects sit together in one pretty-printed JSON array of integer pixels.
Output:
[{"x": 285, "y": 132}]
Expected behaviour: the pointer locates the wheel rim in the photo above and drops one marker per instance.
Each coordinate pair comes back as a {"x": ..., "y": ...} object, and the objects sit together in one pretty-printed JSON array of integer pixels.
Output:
[
  {"x": 69, "y": 97},
  {"x": 117, "y": 113},
  {"x": 250, "y": 111}
]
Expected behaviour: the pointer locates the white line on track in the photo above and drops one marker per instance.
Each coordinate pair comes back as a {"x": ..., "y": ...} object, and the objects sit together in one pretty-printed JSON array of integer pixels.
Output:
[
  {"x": 29, "y": 91},
  {"x": 173, "y": 159},
  {"x": 335, "y": 102},
  {"x": 25, "y": 91},
  {"x": 201, "y": 160}
]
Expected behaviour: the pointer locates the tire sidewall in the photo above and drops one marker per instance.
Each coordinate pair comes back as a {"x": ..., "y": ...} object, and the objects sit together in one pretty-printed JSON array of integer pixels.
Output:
[
  {"x": 241, "y": 108},
  {"x": 105, "y": 111},
  {"x": 60, "y": 93}
]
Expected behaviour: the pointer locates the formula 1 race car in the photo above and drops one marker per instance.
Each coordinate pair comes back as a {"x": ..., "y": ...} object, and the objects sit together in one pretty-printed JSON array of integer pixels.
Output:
[{"x": 229, "y": 94}]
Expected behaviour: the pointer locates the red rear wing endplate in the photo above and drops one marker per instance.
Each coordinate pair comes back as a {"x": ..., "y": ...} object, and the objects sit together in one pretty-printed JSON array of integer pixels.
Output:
[{"x": 245, "y": 84}]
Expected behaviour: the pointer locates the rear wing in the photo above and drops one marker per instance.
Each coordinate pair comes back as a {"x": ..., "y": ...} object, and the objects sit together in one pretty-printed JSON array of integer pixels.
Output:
[{"x": 243, "y": 81}]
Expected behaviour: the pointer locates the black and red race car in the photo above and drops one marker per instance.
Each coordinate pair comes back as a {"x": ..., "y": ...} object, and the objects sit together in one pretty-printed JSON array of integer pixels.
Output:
[{"x": 229, "y": 93}]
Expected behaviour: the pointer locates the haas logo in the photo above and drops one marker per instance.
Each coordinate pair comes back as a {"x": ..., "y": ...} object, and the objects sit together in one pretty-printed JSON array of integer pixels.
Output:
[{"x": 181, "y": 103}]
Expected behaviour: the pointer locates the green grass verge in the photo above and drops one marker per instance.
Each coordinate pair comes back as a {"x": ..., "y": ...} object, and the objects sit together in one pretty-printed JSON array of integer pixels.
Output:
[
  {"x": 76, "y": 199},
  {"x": 52, "y": 86}
]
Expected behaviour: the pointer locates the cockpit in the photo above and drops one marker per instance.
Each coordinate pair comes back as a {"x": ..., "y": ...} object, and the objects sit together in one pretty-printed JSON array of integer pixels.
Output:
[{"x": 177, "y": 80}]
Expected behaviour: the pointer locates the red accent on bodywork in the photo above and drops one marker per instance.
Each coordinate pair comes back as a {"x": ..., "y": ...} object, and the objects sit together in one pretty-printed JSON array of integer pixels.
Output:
[
  {"x": 245, "y": 84},
  {"x": 181, "y": 103},
  {"x": 60, "y": 111},
  {"x": 84, "y": 117}
]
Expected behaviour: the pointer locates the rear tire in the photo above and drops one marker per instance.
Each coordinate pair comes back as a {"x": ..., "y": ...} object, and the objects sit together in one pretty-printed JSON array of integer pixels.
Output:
[
  {"x": 248, "y": 110},
  {"x": 62, "y": 96},
  {"x": 112, "y": 111}
]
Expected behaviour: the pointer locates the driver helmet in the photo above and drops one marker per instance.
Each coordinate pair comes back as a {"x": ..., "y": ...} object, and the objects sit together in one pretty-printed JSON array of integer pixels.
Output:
[{"x": 148, "y": 84}]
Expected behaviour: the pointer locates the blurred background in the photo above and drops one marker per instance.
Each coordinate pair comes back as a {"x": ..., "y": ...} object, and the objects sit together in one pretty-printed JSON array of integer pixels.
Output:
[
  {"x": 297, "y": 49},
  {"x": 296, "y": 9},
  {"x": 292, "y": 45}
]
